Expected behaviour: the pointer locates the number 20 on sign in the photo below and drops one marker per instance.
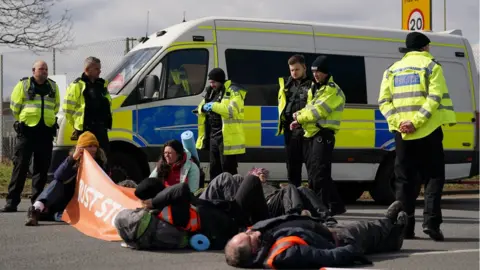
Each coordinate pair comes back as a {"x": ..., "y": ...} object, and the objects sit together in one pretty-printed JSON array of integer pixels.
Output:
[{"x": 416, "y": 15}]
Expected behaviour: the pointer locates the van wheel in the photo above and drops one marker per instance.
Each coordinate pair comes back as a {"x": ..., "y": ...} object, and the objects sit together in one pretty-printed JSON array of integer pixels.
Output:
[
  {"x": 350, "y": 192},
  {"x": 124, "y": 167},
  {"x": 383, "y": 189}
]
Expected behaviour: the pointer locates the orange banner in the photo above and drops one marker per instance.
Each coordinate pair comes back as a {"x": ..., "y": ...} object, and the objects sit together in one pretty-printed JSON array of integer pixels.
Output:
[{"x": 97, "y": 201}]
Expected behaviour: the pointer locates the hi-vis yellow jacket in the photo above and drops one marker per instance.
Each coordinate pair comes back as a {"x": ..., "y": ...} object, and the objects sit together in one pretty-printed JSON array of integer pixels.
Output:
[
  {"x": 414, "y": 89},
  {"x": 323, "y": 110},
  {"x": 74, "y": 103},
  {"x": 28, "y": 109},
  {"x": 231, "y": 109}
]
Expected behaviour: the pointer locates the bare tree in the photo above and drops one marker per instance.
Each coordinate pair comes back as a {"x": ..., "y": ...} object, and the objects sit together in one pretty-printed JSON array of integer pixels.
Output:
[{"x": 28, "y": 24}]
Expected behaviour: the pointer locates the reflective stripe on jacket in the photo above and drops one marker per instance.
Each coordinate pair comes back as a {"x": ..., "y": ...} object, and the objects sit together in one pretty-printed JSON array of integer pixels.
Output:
[
  {"x": 231, "y": 109},
  {"x": 192, "y": 226},
  {"x": 29, "y": 111},
  {"x": 74, "y": 103},
  {"x": 323, "y": 110},
  {"x": 280, "y": 246},
  {"x": 414, "y": 89}
]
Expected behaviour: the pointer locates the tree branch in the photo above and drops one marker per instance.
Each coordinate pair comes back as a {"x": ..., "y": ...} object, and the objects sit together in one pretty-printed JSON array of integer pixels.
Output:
[{"x": 28, "y": 24}]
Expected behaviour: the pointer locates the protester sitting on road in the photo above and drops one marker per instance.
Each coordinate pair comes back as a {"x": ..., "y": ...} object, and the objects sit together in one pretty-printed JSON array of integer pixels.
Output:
[
  {"x": 280, "y": 201},
  {"x": 177, "y": 165},
  {"x": 299, "y": 242},
  {"x": 60, "y": 191},
  {"x": 218, "y": 220}
]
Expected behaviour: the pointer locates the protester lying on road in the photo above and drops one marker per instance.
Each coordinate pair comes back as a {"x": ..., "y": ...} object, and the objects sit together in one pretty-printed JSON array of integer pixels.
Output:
[
  {"x": 218, "y": 220},
  {"x": 280, "y": 201},
  {"x": 60, "y": 191},
  {"x": 299, "y": 242},
  {"x": 177, "y": 165}
]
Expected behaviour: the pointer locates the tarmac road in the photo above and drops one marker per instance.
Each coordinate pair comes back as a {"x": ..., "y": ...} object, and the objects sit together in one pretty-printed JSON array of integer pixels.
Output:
[{"x": 59, "y": 246}]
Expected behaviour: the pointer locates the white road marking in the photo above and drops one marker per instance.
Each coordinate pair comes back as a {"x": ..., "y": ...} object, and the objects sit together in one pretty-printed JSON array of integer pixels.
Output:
[{"x": 406, "y": 254}]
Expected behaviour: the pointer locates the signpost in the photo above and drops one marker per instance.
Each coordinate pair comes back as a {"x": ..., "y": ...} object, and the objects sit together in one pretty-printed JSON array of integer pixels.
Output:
[{"x": 417, "y": 15}]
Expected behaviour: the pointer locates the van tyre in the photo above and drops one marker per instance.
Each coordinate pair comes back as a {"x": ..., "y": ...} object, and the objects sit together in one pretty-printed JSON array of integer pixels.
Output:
[
  {"x": 383, "y": 188},
  {"x": 124, "y": 167}
]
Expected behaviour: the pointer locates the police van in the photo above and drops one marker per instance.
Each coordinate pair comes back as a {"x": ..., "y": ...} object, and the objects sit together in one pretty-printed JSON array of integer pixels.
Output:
[{"x": 161, "y": 80}]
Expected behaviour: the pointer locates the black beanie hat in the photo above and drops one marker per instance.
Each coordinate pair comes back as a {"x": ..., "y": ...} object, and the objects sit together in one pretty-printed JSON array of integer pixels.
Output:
[
  {"x": 217, "y": 74},
  {"x": 320, "y": 64},
  {"x": 148, "y": 188},
  {"x": 416, "y": 40}
]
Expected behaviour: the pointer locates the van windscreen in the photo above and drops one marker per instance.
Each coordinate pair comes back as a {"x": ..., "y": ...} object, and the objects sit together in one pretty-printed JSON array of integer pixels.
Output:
[{"x": 128, "y": 67}]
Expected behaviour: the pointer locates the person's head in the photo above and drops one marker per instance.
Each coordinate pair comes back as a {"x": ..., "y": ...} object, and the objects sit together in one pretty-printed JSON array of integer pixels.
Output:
[
  {"x": 40, "y": 71},
  {"x": 417, "y": 41},
  {"x": 297, "y": 67},
  {"x": 173, "y": 151},
  {"x": 216, "y": 78},
  {"x": 320, "y": 68},
  {"x": 261, "y": 173},
  {"x": 240, "y": 250},
  {"x": 88, "y": 142},
  {"x": 92, "y": 68}
]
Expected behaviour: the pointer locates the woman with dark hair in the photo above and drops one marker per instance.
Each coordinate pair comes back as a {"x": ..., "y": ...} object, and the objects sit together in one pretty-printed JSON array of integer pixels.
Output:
[
  {"x": 176, "y": 165},
  {"x": 57, "y": 195}
]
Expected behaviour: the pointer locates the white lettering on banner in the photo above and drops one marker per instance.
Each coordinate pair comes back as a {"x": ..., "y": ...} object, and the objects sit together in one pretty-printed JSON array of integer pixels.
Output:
[{"x": 108, "y": 208}]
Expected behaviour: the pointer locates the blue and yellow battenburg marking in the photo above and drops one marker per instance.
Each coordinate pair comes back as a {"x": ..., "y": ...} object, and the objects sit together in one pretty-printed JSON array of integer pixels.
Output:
[{"x": 360, "y": 128}]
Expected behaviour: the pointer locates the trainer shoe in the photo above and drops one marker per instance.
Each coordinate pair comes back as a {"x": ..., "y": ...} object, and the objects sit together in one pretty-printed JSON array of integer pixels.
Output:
[
  {"x": 393, "y": 210},
  {"x": 435, "y": 234},
  {"x": 32, "y": 216}
]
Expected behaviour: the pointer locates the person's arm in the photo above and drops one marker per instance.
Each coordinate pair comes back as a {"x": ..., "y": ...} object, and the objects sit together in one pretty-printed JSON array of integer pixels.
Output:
[
  {"x": 16, "y": 100},
  {"x": 178, "y": 193},
  {"x": 70, "y": 103},
  {"x": 437, "y": 86},
  {"x": 66, "y": 170},
  {"x": 234, "y": 107},
  {"x": 328, "y": 102},
  {"x": 385, "y": 102},
  {"x": 303, "y": 256},
  {"x": 193, "y": 177}
]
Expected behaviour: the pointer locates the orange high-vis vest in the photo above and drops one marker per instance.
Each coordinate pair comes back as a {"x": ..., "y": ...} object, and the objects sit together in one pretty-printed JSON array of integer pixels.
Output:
[
  {"x": 281, "y": 245},
  {"x": 192, "y": 226}
]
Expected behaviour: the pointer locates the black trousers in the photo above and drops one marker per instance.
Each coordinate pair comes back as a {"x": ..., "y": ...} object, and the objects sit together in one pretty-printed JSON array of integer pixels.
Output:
[
  {"x": 292, "y": 200},
  {"x": 40, "y": 145},
  {"x": 424, "y": 158},
  {"x": 101, "y": 132},
  {"x": 294, "y": 149},
  {"x": 318, "y": 152},
  {"x": 219, "y": 162},
  {"x": 372, "y": 236}
]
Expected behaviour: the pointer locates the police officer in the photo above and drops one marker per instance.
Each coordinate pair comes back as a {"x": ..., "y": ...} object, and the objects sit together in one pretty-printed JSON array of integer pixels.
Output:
[
  {"x": 292, "y": 97},
  {"x": 415, "y": 102},
  {"x": 221, "y": 123},
  {"x": 34, "y": 103},
  {"x": 87, "y": 104},
  {"x": 320, "y": 119}
]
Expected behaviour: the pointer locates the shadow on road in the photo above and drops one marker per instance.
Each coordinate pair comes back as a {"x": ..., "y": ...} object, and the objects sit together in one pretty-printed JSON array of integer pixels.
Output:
[
  {"x": 404, "y": 253},
  {"x": 451, "y": 203}
]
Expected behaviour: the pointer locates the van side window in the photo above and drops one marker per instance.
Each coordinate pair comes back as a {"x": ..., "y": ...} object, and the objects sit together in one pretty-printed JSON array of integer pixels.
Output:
[
  {"x": 258, "y": 72},
  {"x": 186, "y": 72}
]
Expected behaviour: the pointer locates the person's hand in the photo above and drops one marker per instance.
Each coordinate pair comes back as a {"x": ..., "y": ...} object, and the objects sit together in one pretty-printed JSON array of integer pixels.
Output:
[
  {"x": 294, "y": 125},
  {"x": 78, "y": 153},
  {"x": 207, "y": 107},
  {"x": 147, "y": 204},
  {"x": 407, "y": 127},
  {"x": 295, "y": 116},
  {"x": 262, "y": 177}
]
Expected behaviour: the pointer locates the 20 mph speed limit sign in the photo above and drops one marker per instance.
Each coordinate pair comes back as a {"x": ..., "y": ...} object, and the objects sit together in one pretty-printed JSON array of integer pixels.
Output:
[
  {"x": 416, "y": 20},
  {"x": 417, "y": 15}
]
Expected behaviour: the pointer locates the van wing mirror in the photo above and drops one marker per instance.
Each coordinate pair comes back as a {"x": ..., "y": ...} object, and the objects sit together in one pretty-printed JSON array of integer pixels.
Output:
[{"x": 151, "y": 85}]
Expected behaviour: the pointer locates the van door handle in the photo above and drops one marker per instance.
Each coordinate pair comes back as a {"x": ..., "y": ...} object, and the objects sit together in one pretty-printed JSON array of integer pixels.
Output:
[{"x": 466, "y": 144}]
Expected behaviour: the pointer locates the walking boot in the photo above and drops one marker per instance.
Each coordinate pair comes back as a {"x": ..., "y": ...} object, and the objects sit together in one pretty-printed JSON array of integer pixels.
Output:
[{"x": 32, "y": 216}]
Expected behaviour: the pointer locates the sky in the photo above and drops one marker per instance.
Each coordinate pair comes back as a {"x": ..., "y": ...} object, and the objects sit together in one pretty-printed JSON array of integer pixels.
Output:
[{"x": 107, "y": 23}]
